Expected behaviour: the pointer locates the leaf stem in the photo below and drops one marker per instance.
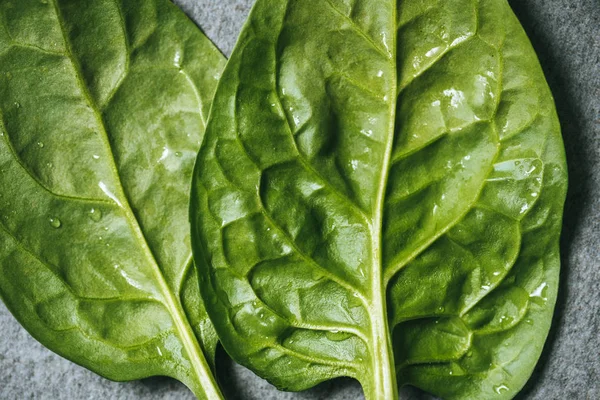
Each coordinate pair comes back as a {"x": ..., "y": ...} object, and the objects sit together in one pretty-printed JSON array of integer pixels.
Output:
[{"x": 383, "y": 385}]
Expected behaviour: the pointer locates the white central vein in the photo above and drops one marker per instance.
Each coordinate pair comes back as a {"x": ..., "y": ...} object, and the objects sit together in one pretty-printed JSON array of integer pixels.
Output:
[{"x": 383, "y": 360}]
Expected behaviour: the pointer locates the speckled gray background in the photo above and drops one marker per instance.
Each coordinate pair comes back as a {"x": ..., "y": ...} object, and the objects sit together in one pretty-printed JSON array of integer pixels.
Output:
[{"x": 566, "y": 35}]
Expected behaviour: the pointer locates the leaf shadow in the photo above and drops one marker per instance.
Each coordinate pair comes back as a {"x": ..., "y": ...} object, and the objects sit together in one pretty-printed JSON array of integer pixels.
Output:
[
  {"x": 238, "y": 383},
  {"x": 579, "y": 167},
  {"x": 164, "y": 384}
]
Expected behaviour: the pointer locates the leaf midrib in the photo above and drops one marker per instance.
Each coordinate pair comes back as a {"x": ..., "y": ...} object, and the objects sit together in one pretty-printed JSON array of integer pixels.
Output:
[
  {"x": 182, "y": 324},
  {"x": 383, "y": 357}
]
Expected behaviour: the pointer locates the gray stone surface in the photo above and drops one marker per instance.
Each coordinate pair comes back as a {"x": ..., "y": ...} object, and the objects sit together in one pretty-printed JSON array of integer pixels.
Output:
[{"x": 566, "y": 35}]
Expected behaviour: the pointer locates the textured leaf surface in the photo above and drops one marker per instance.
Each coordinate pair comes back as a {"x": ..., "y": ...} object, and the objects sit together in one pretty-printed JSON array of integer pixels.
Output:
[
  {"x": 379, "y": 195},
  {"x": 103, "y": 106}
]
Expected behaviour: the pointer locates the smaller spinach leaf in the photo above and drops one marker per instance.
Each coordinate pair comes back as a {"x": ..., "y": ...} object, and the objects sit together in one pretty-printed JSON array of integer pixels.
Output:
[{"x": 103, "y": 106}]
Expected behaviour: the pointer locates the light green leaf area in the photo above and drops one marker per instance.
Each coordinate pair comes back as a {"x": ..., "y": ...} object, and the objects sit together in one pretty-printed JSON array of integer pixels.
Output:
[
  {"x": 379, "y": 195},
  {"x": 103, "y": 107}
]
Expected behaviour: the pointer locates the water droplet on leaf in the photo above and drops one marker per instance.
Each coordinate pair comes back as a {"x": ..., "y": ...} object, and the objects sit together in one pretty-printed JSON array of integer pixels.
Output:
[
  {"x": 501, "y": 389},
  {"x": 337, "y": 336},
  {"x": 95, "y": 214},
  {"x": 55, "y": 222},
  {"x": 539, "y": 295}
]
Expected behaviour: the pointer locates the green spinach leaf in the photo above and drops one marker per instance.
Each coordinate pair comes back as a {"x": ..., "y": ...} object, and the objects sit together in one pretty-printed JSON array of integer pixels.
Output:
[
  {"x": 103, "y": 108},
  {"x": 379, "y": 195}
]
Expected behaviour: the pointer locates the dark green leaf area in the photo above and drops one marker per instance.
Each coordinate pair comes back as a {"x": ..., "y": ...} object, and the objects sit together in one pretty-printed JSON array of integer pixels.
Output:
[
  {"x": 103, "y": 107},
  {"x": 379, "y": 195}
]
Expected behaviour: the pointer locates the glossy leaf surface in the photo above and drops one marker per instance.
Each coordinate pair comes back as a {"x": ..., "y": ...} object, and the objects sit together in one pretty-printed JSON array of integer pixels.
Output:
[
  {"x": 379, "y": 195},
  {"x": 103, "y": 107}
]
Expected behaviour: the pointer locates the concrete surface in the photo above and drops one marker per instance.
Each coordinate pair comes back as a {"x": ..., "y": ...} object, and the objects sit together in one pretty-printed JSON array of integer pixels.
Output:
[{"x": 566, "y": 35}]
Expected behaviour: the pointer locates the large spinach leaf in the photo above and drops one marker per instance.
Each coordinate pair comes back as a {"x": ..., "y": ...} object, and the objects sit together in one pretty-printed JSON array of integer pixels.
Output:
[
  {"x": 379, "y": 195},
  {"x": 103, "y": 107}
]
